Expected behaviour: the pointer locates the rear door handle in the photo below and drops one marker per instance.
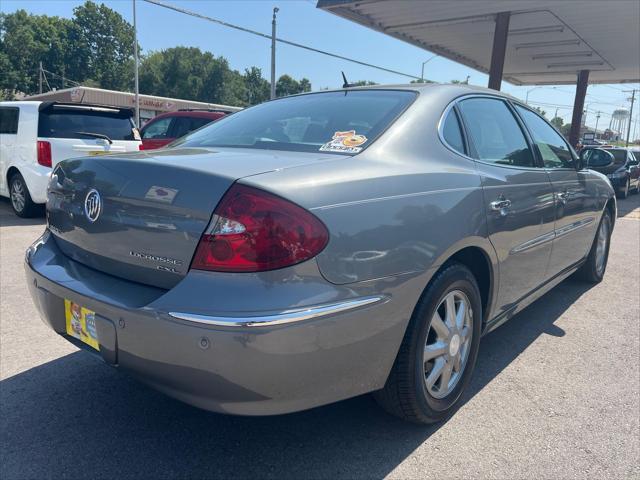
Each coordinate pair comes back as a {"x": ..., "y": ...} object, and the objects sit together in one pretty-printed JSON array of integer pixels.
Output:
[
  {"x": 563, "y": 196},
  {"x": 498, "y": 205}
]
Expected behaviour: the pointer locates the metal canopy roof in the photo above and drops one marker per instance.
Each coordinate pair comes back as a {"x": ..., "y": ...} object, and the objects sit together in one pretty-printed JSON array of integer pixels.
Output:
[{"x": 549, "y": 40}]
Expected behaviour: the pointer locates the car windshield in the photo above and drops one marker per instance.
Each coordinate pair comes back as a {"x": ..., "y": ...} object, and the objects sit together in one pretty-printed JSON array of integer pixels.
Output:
[{"x": 334, "y": 122}]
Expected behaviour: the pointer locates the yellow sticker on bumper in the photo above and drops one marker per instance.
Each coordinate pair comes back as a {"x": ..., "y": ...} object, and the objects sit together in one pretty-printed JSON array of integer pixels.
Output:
[{"x": 81, "y": 323}]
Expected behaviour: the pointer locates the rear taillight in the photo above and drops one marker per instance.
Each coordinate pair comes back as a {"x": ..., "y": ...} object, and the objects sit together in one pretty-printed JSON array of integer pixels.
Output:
[
  {"x": 254, "y": 231},
  {"x": 141, "y": 146},
  {"x": 44, "y": 153}
]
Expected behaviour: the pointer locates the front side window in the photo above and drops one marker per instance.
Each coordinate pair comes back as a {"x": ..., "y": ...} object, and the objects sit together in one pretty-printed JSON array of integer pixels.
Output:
[
  {"x": 553, "y": 149},
  {"x": 495, "y": 133},
  {"x": 594, "y": 157},
  {"x": 452, "y": 132},
  {"x": 157, "y": 129},
  {"x": 9, "y": 120},
  {"x": 333, "y": 122}
]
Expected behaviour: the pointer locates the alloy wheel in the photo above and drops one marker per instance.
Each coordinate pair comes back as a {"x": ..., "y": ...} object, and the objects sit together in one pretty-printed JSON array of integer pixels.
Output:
[
  {"x": 18, "y": 195},
  {"x": 601, "y": 245},
  {"x": 448, "y": 344}
]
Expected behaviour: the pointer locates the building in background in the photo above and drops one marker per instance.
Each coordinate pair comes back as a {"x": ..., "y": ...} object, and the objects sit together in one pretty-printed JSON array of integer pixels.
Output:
[{"x": 150, "y": 105}]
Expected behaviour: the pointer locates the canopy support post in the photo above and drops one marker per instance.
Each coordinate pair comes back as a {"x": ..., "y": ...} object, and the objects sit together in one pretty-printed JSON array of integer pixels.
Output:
[
  {"x": 499, "y": 50},
  {"x": 578, "y": 106}
]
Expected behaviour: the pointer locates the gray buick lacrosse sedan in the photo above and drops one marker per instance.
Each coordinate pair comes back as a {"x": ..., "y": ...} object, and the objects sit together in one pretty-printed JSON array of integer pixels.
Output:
[{"x": 320, "y": 246}]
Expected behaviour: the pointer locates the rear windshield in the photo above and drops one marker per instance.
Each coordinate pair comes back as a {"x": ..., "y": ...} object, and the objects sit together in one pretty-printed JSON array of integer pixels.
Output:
[
  {"x": 334, "y": 122},
  {"x": 61, "y": 123}
]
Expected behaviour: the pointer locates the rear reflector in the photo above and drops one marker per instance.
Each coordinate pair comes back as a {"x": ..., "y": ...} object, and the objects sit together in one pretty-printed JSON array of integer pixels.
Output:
[
  {"x": 44, "y": 153},
  {"x": 255, "y": 231}
]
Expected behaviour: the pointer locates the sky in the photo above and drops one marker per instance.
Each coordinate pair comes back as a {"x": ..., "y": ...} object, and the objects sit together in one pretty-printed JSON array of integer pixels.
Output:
[{"x": 301, "y": 22}]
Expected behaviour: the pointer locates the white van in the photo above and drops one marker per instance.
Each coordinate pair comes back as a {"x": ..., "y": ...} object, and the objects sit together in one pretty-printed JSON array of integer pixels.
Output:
[{"x": 35, "y": 136}]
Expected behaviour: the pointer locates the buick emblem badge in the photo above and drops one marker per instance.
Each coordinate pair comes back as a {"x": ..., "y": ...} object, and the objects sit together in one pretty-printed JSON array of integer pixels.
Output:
[{"x": 92, "y": 205}]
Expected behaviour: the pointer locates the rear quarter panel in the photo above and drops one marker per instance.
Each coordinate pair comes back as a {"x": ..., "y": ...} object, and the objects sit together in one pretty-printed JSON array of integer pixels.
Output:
[{"x": 403, "y": 205}]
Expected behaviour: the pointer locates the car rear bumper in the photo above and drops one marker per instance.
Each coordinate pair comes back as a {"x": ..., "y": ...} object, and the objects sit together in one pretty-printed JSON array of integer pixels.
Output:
[{"x": 335, "y": 343}]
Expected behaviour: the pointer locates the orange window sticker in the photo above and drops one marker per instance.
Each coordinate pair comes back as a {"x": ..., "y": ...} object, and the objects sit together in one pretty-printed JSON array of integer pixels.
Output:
[{"x": 344, "y": 142}]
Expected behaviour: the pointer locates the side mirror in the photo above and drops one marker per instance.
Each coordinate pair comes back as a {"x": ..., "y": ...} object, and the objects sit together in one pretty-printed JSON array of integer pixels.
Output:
[{"x": 594, "y": 157}]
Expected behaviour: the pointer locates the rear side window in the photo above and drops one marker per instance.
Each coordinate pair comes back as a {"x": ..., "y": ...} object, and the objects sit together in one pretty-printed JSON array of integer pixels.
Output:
[
  {"x": 553, "y": 149},
  {"x": 76, "y": 123},
  {"x": 452, "y": 132},
  {"x": 333, "y": 122},
  {"x": 495, "y": 133},
  {"x": 9, "y": 120},
  {"x": 184, "y": 125}
]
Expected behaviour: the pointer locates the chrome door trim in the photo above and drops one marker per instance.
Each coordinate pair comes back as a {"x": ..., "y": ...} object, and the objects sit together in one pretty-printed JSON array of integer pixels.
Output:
[
  {"x": 547, "y": 237},
  {"x": 561, "y": 232},
  {"x": 534, "y": 242},
  {"x": 280, "y": 318}
]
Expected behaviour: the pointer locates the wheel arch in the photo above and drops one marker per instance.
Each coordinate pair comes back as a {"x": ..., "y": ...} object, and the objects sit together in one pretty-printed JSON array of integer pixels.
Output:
[
  {"x": 479, "y": 263},
  {"x": 480, "y": 258},
  {"x": 612, "y": 207},
  {"x": 11, "y": 171}
]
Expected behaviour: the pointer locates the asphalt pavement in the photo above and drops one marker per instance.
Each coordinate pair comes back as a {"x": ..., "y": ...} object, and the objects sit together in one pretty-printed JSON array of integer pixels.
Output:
[{"x": 555, "y": 394}]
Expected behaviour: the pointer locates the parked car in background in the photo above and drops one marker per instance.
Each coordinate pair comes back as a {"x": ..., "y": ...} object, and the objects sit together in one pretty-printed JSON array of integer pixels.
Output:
[
  {"x": 621, "y": 167},
  {"x": 321, "y": 246},
  {"x": 166, "y": 127},
  {"x": 35, "y": 136}
]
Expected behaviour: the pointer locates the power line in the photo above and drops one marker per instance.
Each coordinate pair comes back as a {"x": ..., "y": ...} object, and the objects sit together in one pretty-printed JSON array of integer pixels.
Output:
[{"x": 281, "y": 40}]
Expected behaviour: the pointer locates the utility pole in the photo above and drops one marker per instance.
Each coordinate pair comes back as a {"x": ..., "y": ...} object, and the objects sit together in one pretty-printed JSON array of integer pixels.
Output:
[
  {"x": 633, "y": 99},
  {"x": 273, "y": 53},
  {"x": 40, "y": 78},
  {"x": 135, "y": 55}
]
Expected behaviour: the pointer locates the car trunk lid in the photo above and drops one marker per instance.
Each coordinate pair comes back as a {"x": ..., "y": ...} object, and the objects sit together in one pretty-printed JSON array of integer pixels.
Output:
[{"x": 149, "y": 210}]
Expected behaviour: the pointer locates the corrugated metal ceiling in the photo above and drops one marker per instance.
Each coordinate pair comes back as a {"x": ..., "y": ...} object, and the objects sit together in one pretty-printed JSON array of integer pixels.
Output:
[{"x": 549, "y": 40}]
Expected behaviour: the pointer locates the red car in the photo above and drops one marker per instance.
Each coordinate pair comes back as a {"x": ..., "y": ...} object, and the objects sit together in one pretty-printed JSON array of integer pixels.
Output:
[{"x": 166, "y": 127}]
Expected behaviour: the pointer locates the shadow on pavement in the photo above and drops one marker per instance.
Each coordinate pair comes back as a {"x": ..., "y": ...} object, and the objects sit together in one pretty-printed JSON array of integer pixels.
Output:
[
  {"x": 10, "y": 219},
  {"x": 629, "y": 207},
  {"x": 76, "y": 416}
]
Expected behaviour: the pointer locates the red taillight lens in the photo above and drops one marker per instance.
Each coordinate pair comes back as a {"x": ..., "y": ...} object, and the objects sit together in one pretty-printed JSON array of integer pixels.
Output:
[
  {"x": 141, "y": 146},
  {"x": 44, "y": 153},
  {"x": 254, "y": 231}
]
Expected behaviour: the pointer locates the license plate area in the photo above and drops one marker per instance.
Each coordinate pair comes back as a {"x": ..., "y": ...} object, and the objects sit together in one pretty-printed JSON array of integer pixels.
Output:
[{"x": 81, "y": 324}]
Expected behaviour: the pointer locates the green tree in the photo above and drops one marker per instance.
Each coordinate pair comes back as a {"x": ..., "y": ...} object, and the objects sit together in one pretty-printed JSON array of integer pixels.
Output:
[
  {"x": 187, "y": 72},
  {"x": 363, "y": 83},
  {"x": 540, "y": 112},
  {"x": 25, "y": 41},
  {"x": 286, "y": 85},
  {"x": 557, "y": 122},
  {"x": 102, "y": 46},
  {"x": 258, "y": 89}
]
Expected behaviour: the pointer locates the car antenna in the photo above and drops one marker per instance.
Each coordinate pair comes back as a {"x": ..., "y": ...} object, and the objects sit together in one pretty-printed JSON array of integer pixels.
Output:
[{"x": 346, "y": 84}]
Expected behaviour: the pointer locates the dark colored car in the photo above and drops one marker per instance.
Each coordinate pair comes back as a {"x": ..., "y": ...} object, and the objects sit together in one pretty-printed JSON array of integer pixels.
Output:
[
  {"x": 166, "y": 127},
  {"x": 619, "y": 165}
]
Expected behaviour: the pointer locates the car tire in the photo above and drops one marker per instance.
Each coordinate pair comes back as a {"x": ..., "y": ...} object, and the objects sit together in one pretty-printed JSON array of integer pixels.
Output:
[
  {"x": 20, "y": 198},
  {"x": 595, "y": 266},
  {"x": 624, "y": 192},
  {"x": 407, "y": 393}
]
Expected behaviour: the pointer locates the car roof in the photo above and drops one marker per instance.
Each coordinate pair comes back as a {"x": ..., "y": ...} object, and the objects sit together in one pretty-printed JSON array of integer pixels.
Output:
[
  {"x": 456, "y": 89},
  {"x": 214, "y": 115}
]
